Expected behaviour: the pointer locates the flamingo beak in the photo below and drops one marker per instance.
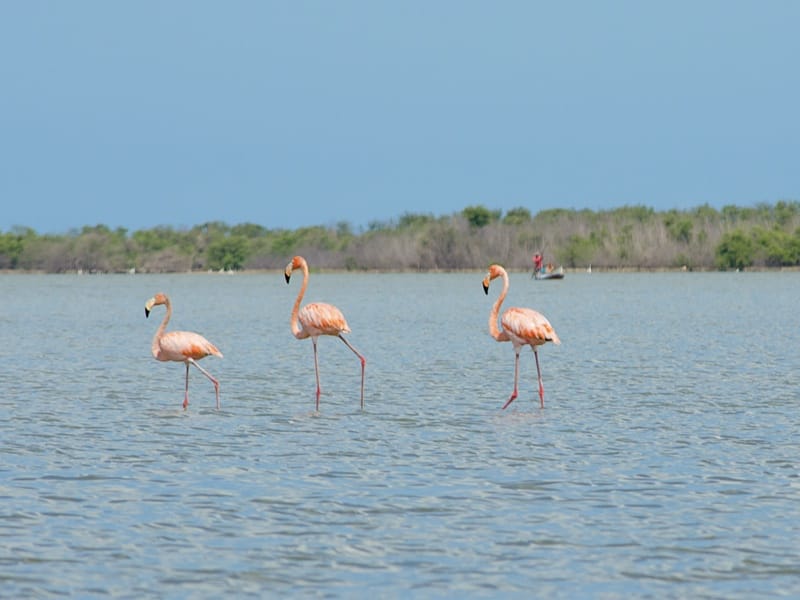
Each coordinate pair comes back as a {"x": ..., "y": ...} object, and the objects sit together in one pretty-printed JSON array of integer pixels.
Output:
[
  {"x": 485, "y": 288},
  {"x": 146, "y": 312},
  {"x": 287, "y": 276}
]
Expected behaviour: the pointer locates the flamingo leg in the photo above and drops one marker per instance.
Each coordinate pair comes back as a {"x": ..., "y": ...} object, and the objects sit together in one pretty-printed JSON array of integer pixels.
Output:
[
  {"x": 363, "y": 365},
  {"x": 539, "y": 375},
  {"x": 516, "y": 378},
  {"x": 204, "y": 372},
  {"x": 186, "y": 390},
  {"x": 316, "y": 369}
]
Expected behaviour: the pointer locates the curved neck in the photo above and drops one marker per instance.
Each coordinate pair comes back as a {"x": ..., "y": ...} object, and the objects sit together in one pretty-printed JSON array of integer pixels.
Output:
[
  {"x": 494, "y": 330},
  {"x": 161, "y": 328},
  {"x": 296, "y": 330}
]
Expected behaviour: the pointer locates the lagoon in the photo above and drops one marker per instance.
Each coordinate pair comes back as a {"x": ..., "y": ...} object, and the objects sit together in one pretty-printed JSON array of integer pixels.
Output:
[{"x": 665, "y": 462}]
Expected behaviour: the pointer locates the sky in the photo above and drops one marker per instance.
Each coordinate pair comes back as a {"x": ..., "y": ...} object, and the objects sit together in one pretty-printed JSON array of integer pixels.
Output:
[{"x": 302, "y": 113}]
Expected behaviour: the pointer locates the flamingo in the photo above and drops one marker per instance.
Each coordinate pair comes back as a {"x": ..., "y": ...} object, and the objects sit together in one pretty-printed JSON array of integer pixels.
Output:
[
  {"x": 521, "y": 327},
  {"x": 180, "y": 346},
  {"x": 316, "y": 319}
]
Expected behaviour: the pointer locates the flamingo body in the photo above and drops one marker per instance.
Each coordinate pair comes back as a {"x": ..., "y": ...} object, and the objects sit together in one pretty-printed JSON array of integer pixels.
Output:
[
  {"x": 319, "y": 318},
  {"x": 525, "y": 326},
  {"x": 180, "y": 346},
  {"x": 316, "y": 319},
  {"x": 520, "y": 326}
]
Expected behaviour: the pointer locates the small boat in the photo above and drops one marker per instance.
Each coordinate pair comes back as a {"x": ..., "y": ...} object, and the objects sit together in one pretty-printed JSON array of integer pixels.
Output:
[{"x": 545, "y": 274}]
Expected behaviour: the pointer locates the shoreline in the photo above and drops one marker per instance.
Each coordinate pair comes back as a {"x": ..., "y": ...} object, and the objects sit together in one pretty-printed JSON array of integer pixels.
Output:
[{"x": 567, "y": 270}]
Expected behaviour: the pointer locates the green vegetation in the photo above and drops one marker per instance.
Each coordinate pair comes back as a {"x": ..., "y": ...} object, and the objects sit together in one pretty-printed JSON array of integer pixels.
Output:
[{"x": 635, "y": 237}]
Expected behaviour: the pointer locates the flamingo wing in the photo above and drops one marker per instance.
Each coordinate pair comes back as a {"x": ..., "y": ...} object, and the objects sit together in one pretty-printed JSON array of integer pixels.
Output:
[
  {"x": 319, "y": 318},
  {"x": 528, "y": 326},
  {"x": 180, "y": 345}
]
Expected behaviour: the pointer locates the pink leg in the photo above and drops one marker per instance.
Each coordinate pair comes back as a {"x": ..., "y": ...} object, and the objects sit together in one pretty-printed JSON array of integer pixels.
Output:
[
  {"x": 316, "y": 369},
  {"x": 539, "y": 374},
  {"x": 363, "y": 365},
  {"x": 204, "y": 372},
  {"x": 186, "y": 390},
  {"x": 516, "y": 378}
]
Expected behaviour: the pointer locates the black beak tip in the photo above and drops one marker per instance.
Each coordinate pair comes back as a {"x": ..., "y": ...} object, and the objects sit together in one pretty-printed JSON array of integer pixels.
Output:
[
  {"x": 146, "y": 313},
  {"x": 287, "y": 277},
  {"x": 486, "y": 289}
]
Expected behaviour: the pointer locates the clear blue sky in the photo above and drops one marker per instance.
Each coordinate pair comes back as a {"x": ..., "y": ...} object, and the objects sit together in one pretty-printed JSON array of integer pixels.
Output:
[{"x": 286, "y": 114}]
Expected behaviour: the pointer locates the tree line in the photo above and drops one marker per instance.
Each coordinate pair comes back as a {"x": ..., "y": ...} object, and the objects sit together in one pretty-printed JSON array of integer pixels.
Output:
[{"x": 629, "y": 237}]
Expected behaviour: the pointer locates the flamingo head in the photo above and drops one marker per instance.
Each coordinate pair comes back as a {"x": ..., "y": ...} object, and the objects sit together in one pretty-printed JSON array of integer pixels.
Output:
[
  {"x": 298, "y": 262},
  {"x": 494, "y": 272},
  {"x": 159, "y": 298}
]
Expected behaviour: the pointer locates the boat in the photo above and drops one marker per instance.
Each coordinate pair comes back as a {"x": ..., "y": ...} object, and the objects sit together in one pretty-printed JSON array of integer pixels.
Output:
[{"x": 552, "y": 274}]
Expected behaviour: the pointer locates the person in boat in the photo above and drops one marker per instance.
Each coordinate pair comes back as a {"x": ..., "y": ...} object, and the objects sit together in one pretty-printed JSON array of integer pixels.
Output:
[{"x": 537, "y": 263}]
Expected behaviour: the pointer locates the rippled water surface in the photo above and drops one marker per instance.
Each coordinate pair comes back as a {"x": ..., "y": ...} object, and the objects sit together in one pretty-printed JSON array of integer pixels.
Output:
[{"x": 666, "y": 462}]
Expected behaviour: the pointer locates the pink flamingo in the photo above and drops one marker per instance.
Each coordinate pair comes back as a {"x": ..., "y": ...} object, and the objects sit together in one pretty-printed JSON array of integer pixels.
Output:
[
  {"x": 180, "y": 346},
  {"x": 521, "y": 327},
  {"x": 316, "y": 319}
]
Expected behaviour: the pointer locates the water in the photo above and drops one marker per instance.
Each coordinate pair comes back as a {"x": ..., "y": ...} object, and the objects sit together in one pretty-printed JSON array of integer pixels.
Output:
[{"x": 665, "y": 463}]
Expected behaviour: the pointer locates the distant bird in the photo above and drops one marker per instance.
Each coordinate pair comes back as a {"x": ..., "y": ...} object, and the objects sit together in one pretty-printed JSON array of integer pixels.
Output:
[
  {"x": 521, "y": 327},
  {"x": 180, "y": 346},
  {"x": 318, "y": 319}
]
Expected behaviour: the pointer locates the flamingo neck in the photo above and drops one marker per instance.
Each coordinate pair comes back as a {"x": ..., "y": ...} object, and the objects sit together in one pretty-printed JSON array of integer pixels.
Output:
[
  {"x": 293, "y": 321},
  {"x": 156, "y": 346},
  {"x": 494, "y": 330}
]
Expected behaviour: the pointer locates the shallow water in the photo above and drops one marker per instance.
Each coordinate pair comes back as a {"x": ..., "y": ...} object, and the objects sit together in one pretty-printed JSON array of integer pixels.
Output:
[{"x": 664, "y": 464}]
